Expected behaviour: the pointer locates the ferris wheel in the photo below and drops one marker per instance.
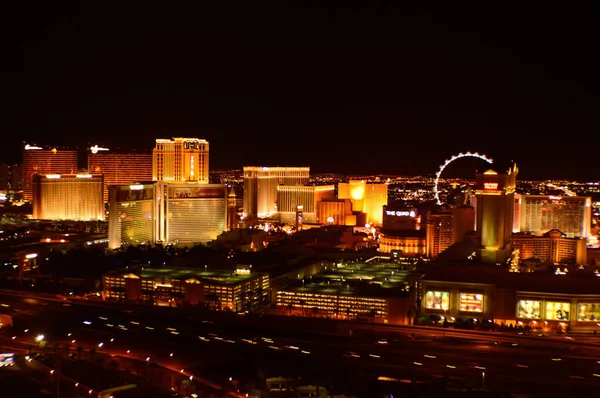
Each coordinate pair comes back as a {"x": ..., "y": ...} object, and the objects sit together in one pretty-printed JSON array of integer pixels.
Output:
[{"x": 447, "y": 162}]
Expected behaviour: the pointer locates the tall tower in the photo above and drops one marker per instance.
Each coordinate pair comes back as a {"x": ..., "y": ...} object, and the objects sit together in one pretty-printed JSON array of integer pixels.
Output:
[
  {"x": 495, "y": 197},
  {"x": 438, "y": 233},
  {"x": 231, "y": 209},
  {"x": 180, "y": 160}
]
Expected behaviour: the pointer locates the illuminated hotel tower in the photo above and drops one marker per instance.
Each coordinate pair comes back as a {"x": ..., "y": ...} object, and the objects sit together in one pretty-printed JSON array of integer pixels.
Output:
[
  {"x": 180, "y": 160},
  {"x": 538, "y": 214},
  {"x": 68, "y": 197},
  {"x": 37, "y": 160},
  {"x": 260, "y": 187},
  {"x": 495, "y": 198},
  {"x": 119, "y": 168},
  {"x": 367, "y": 198}
]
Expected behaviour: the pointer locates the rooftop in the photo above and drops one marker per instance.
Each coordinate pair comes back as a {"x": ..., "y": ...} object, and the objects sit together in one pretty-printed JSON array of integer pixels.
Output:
[
  {"x": 372, "y": 278},
  {"x": 574, "y": 282},
  {"x": 225, "y": 277}
]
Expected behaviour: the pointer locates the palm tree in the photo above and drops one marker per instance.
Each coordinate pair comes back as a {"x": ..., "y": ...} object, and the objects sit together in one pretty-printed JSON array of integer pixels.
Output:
[
  {"x": 373, "y": 314},
  {"x": 302, "y": 304}
]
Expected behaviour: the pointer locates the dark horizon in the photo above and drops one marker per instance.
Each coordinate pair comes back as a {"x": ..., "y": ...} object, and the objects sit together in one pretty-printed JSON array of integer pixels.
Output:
[{"x": 382, "y": 89}]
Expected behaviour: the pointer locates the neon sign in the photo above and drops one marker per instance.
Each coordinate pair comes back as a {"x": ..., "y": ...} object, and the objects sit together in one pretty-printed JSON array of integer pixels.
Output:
[
  {"x": 400, "y": 213},
  {"x": 490, "y": 185}
]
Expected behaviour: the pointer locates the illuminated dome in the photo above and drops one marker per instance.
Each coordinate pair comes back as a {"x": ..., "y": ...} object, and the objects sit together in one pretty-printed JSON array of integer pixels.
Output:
[{"x": 490, "y": 171}]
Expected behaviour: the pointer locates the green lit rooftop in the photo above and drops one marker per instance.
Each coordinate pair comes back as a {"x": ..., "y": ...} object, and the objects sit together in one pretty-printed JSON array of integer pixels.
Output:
[
  {"x": 226, "y": 277},
  {"x": 371, "y": 278}
]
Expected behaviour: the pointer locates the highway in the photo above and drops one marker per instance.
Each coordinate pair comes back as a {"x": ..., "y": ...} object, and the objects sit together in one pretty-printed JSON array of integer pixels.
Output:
[{"x": 216, "y": 351}]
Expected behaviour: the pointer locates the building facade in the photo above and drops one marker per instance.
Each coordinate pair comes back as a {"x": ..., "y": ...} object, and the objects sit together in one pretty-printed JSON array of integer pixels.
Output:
[
  {"x": 553, "y": 247},
  {"x": 538, "y": 214},
  {"x": 38, "y": 160},
  {"x": 68, "y": 197},
  {"x": 166, "y": 212},
  {"x": 410, "y": 243},
  {"x": 366, "y": 198},
  {"x": 195, "y": 212},
  {"x": 289, "y": 197},
  {"x": 120, "y": 168},
  {"x": 225, "y": 290},
  {"x": 438, "y": 233},
  {"x": 260, "y": 187},
  {"x": 134, "y": 214},
  {"x": 332, "y": 211},
  {"x": 495, "y": 200},
  {"x": 180, "y": 160},
  {"x": 539, "y": 300}
]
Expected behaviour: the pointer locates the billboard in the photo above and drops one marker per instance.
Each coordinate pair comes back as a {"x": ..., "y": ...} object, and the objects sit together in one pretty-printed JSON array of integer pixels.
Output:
[
  {"x": 7, "y": 359},
  {"x": 471, "y": 302},
  {"x": 196, "y": 192},
  {"x": 556, "y": 311},
  {"x": 588, "y": 312},
  {"x": 437, "y": 300},
  {"x": 529, "y": 309}
]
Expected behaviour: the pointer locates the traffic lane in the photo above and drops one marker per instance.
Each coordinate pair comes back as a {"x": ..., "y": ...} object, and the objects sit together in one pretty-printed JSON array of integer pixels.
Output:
[
  {"x": 499, "y": 360},
  {"x": 68, "y": 309},
  {"x": 118, "y": 308},
  {"x": 340, "y": 365},
  {"x": 445, "y": 347},
  {"x": 61, "y": 309}
]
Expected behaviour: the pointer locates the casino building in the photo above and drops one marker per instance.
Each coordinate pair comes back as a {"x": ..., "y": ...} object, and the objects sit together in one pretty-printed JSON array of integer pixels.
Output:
[
  {"x": 495, "y": 199},
  {"x": 180, "y": 160},
  {"x": 289, "y": 197},
  {"x": 260, "y": 187},
  {"x": 68, "y": 197},
  {"x": 539, "y": 299},
  {"x": 366, "y": 198},
  {"x": 538, "y": 214},
  {"x": 167, "y": 212}
]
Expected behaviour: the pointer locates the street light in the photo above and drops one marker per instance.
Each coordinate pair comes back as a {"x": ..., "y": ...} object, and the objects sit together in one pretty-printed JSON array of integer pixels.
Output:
[{"x": 39, "y": 337}]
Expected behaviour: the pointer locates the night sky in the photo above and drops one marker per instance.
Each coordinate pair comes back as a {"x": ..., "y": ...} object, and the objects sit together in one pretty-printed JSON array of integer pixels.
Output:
[{"x": 377, "y": 89}]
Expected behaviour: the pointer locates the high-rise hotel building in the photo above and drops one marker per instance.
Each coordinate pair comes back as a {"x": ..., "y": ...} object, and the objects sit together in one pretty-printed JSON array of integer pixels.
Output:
[
  {"x": 366, "y": 198},
  {"x": 133, "y": 214},
  {"x": 260, "y": 187},
  {"x": 180, "y": 160},
  {"x": 290, "y": 197},
  {"x": 68, "y": 197},
  {"x": 38, "y": 160},
  {"x": 195, "y": 212},
  {"x": 495, "y": 198},
  {"x": 538, "y": 214},
  {"x": 166, "y": 212},
  {"x": 119, "y": 168}
]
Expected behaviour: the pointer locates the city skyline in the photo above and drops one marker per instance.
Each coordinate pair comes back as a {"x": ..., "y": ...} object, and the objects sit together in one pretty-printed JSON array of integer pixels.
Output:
[{"x": 336, "y": 89}]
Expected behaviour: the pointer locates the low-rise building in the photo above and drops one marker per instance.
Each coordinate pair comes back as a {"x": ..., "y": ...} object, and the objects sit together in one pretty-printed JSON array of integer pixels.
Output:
[
  {"x": 412, "y": 243},
  {"x": 553, "y": 247},
  {"x": 375, "y": 291},
  {"x": 489, "y": 293},
  {"x": 227, "y": 290}
]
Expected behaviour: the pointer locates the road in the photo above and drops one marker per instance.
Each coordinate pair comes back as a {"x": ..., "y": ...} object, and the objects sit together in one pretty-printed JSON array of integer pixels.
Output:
[{"x": 218, "y": 351}]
